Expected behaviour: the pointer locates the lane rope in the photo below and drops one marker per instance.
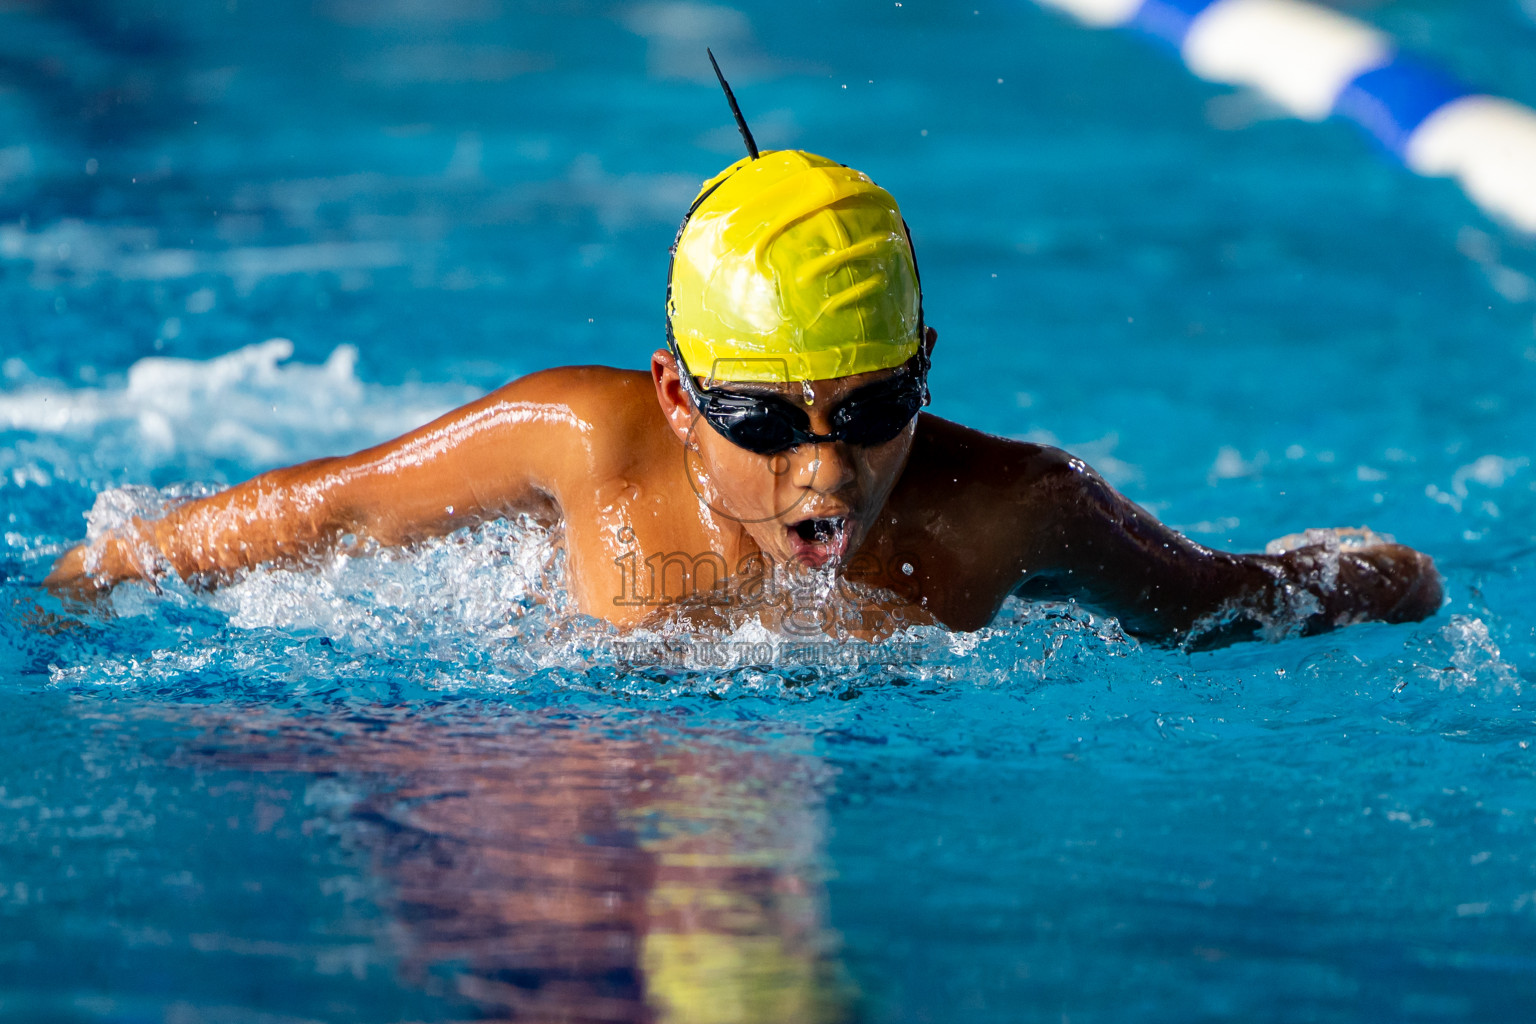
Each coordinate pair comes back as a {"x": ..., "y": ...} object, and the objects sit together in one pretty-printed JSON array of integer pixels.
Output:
[{"x": 1316, "y": 63}]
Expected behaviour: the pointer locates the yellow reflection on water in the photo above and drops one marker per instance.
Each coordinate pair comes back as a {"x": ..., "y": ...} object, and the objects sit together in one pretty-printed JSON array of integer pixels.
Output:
[
  {"x": 541, "y": 870},
  {"x": 735, "y": 931}
]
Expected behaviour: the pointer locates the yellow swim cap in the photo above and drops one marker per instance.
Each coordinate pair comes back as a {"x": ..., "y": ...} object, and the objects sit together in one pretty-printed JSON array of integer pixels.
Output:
[{"x": 791, "y": 267}]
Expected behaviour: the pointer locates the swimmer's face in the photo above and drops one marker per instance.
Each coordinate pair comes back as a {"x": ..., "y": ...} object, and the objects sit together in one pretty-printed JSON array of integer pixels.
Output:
[{"x": 810, "y": 505}]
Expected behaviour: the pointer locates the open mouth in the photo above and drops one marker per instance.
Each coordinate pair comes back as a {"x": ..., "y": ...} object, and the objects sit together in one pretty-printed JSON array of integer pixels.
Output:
[
  {"x": 819, "y": 539},
  {"x": 819, "y": 531}
]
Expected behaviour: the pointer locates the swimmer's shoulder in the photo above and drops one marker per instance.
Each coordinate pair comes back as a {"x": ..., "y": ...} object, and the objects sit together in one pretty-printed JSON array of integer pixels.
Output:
[
  {"x": 946, "y": 453},
  {"x": 597, "y": 397},
  {"x": 607, "y": 412},
  {"x": 1005, "y": 489},
  {"x": 592, "y": 390}
]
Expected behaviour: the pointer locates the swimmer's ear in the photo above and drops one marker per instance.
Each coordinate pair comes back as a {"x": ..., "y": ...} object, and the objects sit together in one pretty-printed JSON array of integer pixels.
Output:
[
  {"x": 670, "y": 395},
  {"x": 930, "y": 339}
]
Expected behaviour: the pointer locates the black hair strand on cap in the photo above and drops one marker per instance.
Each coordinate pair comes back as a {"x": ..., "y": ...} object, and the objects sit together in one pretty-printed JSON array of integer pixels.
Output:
[{"x": 730, "y": 97}]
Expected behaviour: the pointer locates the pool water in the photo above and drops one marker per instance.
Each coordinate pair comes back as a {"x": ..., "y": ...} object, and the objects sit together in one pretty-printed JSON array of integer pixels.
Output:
[{"x": 416, "y": 787}]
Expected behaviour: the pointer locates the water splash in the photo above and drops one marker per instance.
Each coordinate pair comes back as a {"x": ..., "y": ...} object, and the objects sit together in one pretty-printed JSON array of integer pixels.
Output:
[
  {"x": 250, "y": 406},
  {"x": 1472, "y": 660},
  {"x": 487, "y": 610}
]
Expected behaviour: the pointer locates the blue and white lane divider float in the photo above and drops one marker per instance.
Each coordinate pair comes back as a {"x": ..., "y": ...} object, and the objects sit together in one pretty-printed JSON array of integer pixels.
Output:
[{"x": 1317, "y": 63}]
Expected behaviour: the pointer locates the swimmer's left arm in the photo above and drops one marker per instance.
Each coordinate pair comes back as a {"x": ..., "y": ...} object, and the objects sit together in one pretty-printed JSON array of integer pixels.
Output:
[
  {"x": 1102, "y": 548},
  {"x": 500, "y": 455}
]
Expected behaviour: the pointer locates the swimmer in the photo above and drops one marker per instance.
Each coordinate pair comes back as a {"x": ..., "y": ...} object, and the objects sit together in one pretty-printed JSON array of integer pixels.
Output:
[{"x": 779, "y": 435}]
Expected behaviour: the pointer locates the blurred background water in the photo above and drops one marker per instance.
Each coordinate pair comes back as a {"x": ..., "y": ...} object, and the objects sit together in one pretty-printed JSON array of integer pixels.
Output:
[{"x": 237, "y": 235}]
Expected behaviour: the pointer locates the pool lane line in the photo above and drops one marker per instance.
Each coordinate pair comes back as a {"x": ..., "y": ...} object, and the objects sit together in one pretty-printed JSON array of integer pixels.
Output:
[{"x": 1316, "y": 63}]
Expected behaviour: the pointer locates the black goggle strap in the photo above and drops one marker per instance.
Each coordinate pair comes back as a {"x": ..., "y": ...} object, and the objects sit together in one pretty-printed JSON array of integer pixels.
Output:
[
  {"x": 695, "y": 393},
  {"x": 677, "y": 354},
  {"x": 923, "y": 359}
]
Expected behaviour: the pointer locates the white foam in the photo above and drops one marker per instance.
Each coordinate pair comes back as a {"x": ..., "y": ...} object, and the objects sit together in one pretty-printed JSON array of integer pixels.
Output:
[
  {"x": 1476, "y": 661},
  {"x": 249, "y": 405},
  {"x": 1230, "y": 465},
  {"x": 471, "y": 583},
  {"x": 1489, "y": 471},
  {"x": 1297, "y": 54},
  {"x": 116, "y": 507},
  {"x": 483, "y": 608}
]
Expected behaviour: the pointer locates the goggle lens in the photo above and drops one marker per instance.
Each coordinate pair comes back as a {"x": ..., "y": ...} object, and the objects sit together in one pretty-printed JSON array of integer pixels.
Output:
[
  {"x": 763, "y": 430},
  {"x": 767, "y": 424}
]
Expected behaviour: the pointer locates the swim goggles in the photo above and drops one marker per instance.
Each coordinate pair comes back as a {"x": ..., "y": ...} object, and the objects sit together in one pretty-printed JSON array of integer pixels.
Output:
[{"x": 768, "y": 424}]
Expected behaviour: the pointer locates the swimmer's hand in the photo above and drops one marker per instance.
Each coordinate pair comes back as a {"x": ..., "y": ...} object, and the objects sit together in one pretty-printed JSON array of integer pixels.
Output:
[
  {"x": 1111, "y": 554},
  {"x": 71, "y": 580},
  {"x": 1358, "y": 576},
  {"x": 89, "y": 571}
]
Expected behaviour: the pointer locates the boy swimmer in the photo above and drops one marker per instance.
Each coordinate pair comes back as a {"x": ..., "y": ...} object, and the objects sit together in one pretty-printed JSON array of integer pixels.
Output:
[{"x": 779, "y": 435}]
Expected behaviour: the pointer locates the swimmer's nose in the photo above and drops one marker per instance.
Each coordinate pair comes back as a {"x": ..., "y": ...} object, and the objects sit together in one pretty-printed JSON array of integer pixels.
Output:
[{"x": 824, "y": 468}]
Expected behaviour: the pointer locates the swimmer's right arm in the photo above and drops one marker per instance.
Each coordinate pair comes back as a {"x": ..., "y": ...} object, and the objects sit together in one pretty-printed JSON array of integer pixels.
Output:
[{"x": 497, "y": 456}]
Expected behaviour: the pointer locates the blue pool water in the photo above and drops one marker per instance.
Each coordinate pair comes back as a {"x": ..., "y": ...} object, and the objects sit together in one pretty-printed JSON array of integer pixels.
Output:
[{"x": 233, "y": 236}]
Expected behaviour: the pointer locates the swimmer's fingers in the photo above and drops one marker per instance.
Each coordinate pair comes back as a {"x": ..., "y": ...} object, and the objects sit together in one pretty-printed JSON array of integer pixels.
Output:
[
  {"x": 86, "y": 573},
  {"x": 74, "y": 587},
  {"x": 1389, "y": 582},
  {"x": 69, "y": 578},
  {"x": 1423, "y": 589}
]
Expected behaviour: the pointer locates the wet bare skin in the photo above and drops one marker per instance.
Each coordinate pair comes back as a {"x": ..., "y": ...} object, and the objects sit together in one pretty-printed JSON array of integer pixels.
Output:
[{"x": 946, "y": 521}]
